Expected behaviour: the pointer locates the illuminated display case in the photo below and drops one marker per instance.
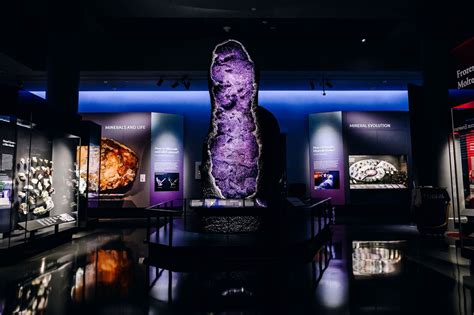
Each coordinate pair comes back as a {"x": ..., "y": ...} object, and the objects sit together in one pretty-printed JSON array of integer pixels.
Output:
[
  {"x": 39, "y": 179},
  {"x": 88, "y": 155},
  {"x": 40, "y": 173}
]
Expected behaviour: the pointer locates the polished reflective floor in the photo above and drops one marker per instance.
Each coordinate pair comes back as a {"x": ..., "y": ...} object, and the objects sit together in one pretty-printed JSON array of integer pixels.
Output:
[{"x": 374, "y": 270}]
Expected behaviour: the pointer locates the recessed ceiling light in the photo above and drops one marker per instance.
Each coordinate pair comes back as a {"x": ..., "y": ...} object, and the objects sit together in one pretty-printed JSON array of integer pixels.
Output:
[
  {"x": 264, "y": 22},
  {"x": 227, "y": 28},
  {"x": 253, "y": 9},
  {"x": 363, "y": 40}
]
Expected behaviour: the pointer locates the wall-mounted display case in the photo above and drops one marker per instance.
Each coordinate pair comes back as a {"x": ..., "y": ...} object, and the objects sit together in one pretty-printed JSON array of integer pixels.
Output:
[{"x": 39, "y": 179}]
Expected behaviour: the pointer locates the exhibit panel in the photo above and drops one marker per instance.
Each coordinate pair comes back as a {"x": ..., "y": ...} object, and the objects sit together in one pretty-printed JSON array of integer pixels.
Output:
[
  {"x": 463, "y": 136},
  {"x": 461, "y": 98},
  {"x": 167, "y": 149},
  {"x": 378, "y": 157},
  {"x": 141, "y": 159},
  {"x": 7, "y": 171},
  {"x": 354, "y": 153},
  {"x": 327, "y": 157}
]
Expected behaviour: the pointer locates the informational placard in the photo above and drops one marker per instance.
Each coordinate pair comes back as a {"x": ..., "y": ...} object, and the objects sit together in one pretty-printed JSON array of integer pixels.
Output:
[
  {"x": 222, "y": 203},
  {"x": 327, "y": 176},
  {"x": 34, "y": 225},
  {"x": 166, "y": 158}
]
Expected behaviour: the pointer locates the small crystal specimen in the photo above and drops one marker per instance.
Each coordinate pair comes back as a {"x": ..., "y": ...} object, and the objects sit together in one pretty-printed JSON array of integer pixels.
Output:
[
  {"x": 119, "y": 165},
  {"x": 23, "y": 208},
  {"x": 39, "y": 210}
]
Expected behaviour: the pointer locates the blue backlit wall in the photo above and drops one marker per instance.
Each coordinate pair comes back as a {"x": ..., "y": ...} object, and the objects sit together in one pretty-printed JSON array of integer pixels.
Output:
[{"x": 291, "y": 108}]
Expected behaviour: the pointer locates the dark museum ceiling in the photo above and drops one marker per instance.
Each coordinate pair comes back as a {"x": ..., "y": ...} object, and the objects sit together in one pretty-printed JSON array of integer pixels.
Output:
[{"x": 178, "y": 35}]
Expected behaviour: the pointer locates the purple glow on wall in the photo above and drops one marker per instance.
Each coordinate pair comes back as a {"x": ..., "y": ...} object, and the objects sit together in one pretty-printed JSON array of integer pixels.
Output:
[{"x": 233, "y": 143}]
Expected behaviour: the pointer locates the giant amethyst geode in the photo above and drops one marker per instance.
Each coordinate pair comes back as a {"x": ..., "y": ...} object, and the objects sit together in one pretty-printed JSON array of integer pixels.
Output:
[{"x": 233, "y": 144}]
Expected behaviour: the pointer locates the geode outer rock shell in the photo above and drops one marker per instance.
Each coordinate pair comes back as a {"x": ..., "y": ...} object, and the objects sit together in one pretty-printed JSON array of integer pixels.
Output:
[{"x": 233, "y": 145}]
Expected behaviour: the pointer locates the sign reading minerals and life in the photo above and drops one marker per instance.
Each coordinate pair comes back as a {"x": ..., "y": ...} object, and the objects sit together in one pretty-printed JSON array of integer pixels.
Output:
[
  {"x": 327, "y": 178},
  {"x": 141, "y": 158}
]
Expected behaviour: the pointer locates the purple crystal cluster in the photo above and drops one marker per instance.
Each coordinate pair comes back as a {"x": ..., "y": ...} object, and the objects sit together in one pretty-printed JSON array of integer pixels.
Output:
[{"x": 233, "y": 143}]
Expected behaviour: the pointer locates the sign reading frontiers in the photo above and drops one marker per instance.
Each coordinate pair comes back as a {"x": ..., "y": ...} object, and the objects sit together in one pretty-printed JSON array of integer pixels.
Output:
[
  {"x": 327, "y": 156},
  {"x": 462, "y": 65},
  {"x": 34, "y": 225}
]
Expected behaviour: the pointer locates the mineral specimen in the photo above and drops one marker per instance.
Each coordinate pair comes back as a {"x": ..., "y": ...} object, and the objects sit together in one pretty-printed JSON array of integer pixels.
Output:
[
  {"x": 39, "y": 210},
  {"x": 233, "y": 143},
  {"x": 119, "y": 165},
  {"x": 23, "y": 208},
  {"x": 49, "y": 203}
]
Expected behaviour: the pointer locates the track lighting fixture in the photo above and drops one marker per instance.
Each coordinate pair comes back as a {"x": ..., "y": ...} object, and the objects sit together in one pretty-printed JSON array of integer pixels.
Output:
[
  {"x": 175, "y": 84},
  {"x": 326, "y": 83}
]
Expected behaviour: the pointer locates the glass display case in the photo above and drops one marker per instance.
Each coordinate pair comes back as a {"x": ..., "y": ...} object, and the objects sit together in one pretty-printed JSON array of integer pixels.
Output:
[
  {"x": 88, "y": 155},
  {"x": 39, "y": 179}
]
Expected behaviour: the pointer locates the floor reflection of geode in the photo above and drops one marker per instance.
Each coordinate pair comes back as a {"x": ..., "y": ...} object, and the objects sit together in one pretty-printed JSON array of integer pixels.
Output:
[{"x": 119, "y": 165}]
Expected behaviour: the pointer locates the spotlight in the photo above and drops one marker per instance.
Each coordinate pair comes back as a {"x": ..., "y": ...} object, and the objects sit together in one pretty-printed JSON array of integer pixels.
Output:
[
  {"x": 160, "y": 82},
  {"x": 175, "y": 84},
  {"x": 363, "y": 40},
  {"x": 311, "y": 85}
]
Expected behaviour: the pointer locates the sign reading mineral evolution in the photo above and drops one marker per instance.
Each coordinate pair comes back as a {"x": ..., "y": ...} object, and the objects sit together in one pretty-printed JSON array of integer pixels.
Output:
[{"x": 233, "y": 145}]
